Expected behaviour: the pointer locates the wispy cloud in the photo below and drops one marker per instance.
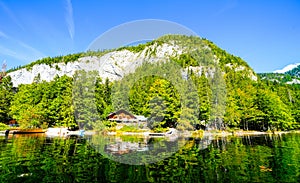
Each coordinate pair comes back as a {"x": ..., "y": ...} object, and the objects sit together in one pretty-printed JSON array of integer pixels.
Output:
[
  {"x": 11, "y": 15},
  {"x": 11, "y": 53},
  {"x": 229, "y": 6},
  {"x": 18, "y": 49},
  {"x": 21, "y": 54},
  {"x": 32, "y": 50},
  {"x": 2, "y": 34},
  {"x": 69, "y": 18}
]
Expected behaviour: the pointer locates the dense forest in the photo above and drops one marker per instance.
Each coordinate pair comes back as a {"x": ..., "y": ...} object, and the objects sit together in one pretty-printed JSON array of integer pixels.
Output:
[
  {"x": 226, "y": 99},
  {"x": 294, "y": 72},
  {"x": 279, "y": 77}
]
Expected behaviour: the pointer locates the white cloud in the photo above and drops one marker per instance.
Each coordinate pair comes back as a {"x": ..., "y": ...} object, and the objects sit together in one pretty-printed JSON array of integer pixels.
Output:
[{"x": 69, "y": 18}]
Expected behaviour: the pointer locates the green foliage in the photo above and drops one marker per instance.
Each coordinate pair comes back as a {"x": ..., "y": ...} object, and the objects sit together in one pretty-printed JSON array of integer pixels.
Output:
[
  {"x": 160, "y": 129},
  {"x": 198, "y": 134},
  {"x": 84, "y": 99},
  {"x": 220, "y": 96},
  {"x": 244, "y": 159},
  {"x": 60, "y": 59},
  {"x": 3, "y": 126},
  {"x": 159, "y": 94},
  {"x": 224, "y": 57},
  {"x": 39, "y": 103},
  {"x": 140, "y": 47},
  {"x": 204, "y": 94},
  {"x": 103, "y": 97},
  {"x": 277, "y": 77},
  {"x": 129, "y": 128},
  {"x": 275, "y": 113},
  {"x": 58, "y": 102},
  {"x": 294, "y": 72},
  {"x": 50, "y": 61},
  {"x": 185, "y": 60},
  {"x": 164, "y": 104},
  {"x": 6, "y": 96},
  {"x": 110, "y": 124}
]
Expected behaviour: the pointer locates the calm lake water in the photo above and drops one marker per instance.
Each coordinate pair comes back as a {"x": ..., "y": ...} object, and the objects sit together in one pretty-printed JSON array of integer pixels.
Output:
[{"x": 265, "y": 158}]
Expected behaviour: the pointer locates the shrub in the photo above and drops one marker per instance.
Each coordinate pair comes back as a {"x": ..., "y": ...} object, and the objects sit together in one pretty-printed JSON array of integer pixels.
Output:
[
  {"x": 129, "y": 128},
  {"x": 160, "y": 130},
  {"x": 3, "y": 126}
]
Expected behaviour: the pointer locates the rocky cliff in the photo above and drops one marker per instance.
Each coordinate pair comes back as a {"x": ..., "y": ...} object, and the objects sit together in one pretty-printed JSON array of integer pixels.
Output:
[{"x": 115, "y": 64}]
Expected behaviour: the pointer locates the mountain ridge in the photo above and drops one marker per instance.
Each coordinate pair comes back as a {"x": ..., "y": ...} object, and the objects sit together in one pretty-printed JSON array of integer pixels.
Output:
[
  {"x": 287, "y": 68},
  {"x": 290, "y": 74},
  {"x": 114, "y": 64},
  {"x": 185, "y": 81}
]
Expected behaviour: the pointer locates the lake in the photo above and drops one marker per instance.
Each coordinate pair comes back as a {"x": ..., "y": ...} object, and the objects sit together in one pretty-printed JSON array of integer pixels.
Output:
[{"x": 263, "y": 158}]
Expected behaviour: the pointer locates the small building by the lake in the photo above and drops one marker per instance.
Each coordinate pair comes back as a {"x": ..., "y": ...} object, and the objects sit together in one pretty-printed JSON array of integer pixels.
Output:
[{"x": 124, "y": 117}]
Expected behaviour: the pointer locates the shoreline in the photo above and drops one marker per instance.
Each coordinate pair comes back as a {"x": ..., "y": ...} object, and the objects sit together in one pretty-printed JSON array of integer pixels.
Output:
[
  {"x": 208, "y": 133},
  {"x": 246, "y": 133},
  {"x": 199, "y": 133}
]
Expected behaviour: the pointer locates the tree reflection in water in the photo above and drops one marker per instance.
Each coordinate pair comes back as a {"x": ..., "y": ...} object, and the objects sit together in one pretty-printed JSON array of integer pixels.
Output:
[{"x": 265, "y": 158}]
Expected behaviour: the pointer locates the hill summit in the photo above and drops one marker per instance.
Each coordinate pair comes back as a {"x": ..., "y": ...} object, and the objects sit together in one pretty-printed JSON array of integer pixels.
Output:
[{"x": 116, "y": 63}]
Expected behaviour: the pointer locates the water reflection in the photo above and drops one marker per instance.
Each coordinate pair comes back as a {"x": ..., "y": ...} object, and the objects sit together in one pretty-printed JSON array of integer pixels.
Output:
[
  {"x": 136, "y": 150},
  {"x": 265, "y": 158},
  {"x": 120, "y": 147}
]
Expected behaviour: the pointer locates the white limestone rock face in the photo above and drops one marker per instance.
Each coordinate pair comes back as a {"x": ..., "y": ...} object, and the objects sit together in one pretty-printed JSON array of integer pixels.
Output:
[
  {"x": 113, "y": 65},
  {"x": 239, "y": 68},
  {"x": 294, "y": 81}
]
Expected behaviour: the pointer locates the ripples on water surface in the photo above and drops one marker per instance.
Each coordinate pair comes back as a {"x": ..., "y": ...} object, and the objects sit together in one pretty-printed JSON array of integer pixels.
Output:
[{"x": 262, "y": 158}]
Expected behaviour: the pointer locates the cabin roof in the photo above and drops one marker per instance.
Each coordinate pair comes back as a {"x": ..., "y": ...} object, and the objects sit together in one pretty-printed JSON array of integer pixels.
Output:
[
  {"x": 128, "y": 114},
  {"x": 120, "y": 112}
]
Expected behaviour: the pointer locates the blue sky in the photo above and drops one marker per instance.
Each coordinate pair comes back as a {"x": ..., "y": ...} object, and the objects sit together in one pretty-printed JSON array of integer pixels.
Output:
[{"x": 264, "y": 33}]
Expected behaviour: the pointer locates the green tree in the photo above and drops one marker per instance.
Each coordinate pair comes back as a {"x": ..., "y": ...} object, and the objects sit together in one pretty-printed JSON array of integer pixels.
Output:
[
  {"x": 276, "y": 116},
  {"x": 6, "y": 95},
  {"x": 26, "y": 107},
  {"x": 84, "y": 100}
]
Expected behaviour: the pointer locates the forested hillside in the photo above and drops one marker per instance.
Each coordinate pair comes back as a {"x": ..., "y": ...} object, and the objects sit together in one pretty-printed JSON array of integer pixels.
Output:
[
  {"x": 280, "y": 78},
  {"x": 215, "y": 89},
  {"x": 294, "y": 72}
]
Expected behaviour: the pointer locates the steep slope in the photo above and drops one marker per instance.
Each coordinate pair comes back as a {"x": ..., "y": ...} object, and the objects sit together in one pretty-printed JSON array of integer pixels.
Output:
[
  {"x": 114, "y": 64},
  {"x": 174, "y": 81}
]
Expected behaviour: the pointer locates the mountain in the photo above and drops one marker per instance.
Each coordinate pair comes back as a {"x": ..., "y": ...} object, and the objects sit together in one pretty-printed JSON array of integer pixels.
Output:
[
  {"x": 287, "y": 68},
  {"x": 174, "y": 81},
  {"x": 290, "y": 74},
  {"x": 115, "y": 64},
  {"x": 294, "y": 72},
  {"x": 282, "y": 78}
]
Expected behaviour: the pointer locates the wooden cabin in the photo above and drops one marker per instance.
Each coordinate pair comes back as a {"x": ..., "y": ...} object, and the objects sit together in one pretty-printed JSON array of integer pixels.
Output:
[{"x": 125, "y": 117}]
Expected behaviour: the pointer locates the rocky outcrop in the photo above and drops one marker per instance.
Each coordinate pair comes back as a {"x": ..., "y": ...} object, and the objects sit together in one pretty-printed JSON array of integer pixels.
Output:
[
  {"x": 246, "y": 71},
  {"x": 113, "y": 65}
]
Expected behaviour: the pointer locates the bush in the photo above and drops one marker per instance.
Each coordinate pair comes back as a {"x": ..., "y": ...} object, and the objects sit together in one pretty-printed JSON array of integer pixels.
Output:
[
  {"x": 198, "y": 134},
  {"x": 110, "y": 124},
  {"x": 160, "y": 130},
  {"x": 129, "y": 128},
  {"x": 3, "y": 126}
]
